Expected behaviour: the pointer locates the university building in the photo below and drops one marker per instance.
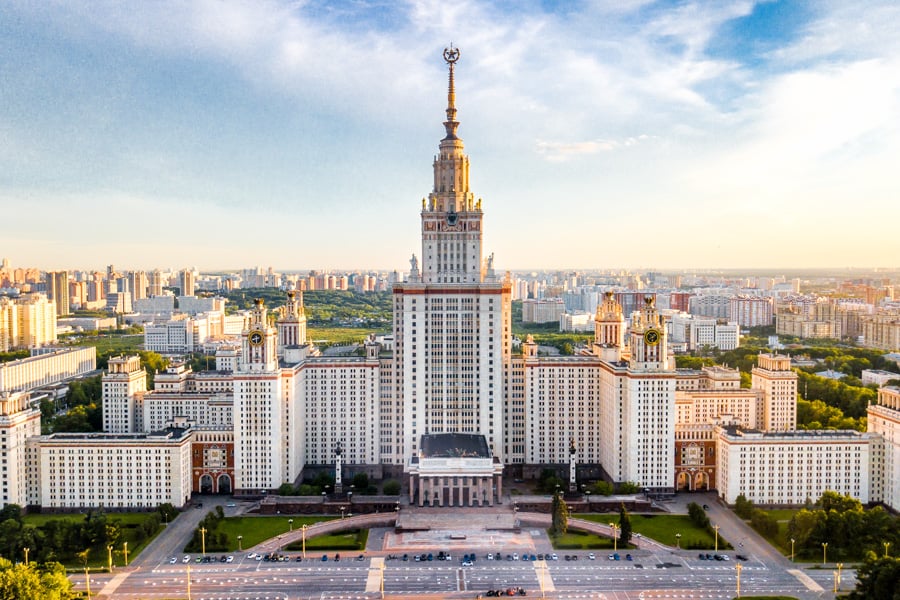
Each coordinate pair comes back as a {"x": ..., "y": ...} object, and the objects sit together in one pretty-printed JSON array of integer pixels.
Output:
[{"x": 448, "y": 408}]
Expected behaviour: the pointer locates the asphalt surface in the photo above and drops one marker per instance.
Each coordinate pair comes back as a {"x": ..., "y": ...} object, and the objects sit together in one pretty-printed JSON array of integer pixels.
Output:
[{"x": 657, "y": 572}]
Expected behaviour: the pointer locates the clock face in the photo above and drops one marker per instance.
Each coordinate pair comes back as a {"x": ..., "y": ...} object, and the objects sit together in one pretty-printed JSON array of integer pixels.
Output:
[
  {"x": 255, "y": 338},
  {"x": 651, "y": 337}
]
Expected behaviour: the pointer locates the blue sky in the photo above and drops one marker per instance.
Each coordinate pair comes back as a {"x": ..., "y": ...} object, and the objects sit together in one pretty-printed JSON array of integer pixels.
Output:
[{"x": 607, "y": 134}]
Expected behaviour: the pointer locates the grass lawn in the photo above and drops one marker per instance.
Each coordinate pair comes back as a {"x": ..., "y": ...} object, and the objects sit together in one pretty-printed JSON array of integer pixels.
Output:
[
  {"x": 258, "y": 529},
  {"x": 663, "y": 528},
  {"x": 109, "y": 343},
  {"x": 341, "y": 335},
  {"x": 354, "y": 539},
  {"x": 580, "y": 540}
]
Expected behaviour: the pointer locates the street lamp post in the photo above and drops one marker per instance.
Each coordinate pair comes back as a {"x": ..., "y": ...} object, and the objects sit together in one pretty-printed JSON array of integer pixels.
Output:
[
  {"x": 27, "y": 550},
  {"x": 824, "y": 553},
  {"x": 109, "y": 558},
  {"x": 303, "y": 528},
  {"x": 738, "y": 568},
  {"x": 290, "y": 525},
  {"x": 189, "y": 581},
  {"x": 203, "y": 540},
  {"x": 886, "y": 546},
  {"x": 343, "y": 508},
  {"x": 87, "y": 581},
  {"x": 125, "y": 552},
  {"x": 240, "y": 540},
  {"x": 678, "y": 541},
  {"x": 615, "y": 530},
  {"x": 792, "y": 549},
  {"x": 716, "y": 527},
  {"x": 837, "y": 578}
]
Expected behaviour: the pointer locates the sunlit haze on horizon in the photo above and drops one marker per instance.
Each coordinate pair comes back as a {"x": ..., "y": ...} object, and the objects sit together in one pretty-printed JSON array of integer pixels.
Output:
[{"x": 609, "y": 134}]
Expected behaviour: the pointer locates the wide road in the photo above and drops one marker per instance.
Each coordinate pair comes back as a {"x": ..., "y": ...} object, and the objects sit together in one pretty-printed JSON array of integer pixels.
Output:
[{"x": 650, "y": 575}]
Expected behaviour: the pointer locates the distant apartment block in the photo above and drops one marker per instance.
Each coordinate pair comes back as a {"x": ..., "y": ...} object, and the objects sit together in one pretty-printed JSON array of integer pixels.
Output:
[
  {"x": 715, "y": 305},
  {"x": 576, "y": 322},
  {"x": 882, "y": 331},
  {"x": 28, "y": 321},
  {"x": 543, "y": 311},
  {"x": 58, "y": 291},
  {"x": 878, "y": 377},
  {"x": 695, "y": 332},
  {"x": 750, "y": 311}
]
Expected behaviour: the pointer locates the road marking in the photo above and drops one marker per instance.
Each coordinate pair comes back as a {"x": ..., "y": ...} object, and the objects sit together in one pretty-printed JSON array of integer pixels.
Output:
[
  {"x": 806, "y": 580},
  {"x": 376, "y": 572},
  {"x": 114, "y": 583}
]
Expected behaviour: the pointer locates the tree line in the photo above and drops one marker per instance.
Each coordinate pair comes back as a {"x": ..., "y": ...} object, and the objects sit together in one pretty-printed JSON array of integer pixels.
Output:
[
  {"x": 836, "y": 520},
  {"x": 66, "y": 539}
]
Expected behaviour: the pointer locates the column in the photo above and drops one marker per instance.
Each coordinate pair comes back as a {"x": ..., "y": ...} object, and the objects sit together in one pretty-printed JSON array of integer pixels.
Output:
[
  {"x": 422, "y": 482},
  {"x": 412, "y": 489},
  {"x": 480, "y": 491},
  {"x": 499, "y": 489},
  {"x": 440, "y": 491}
]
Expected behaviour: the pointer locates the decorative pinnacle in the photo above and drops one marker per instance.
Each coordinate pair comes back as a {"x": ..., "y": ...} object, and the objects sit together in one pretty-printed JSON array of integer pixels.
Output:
[{"x": 451, "y": 55}]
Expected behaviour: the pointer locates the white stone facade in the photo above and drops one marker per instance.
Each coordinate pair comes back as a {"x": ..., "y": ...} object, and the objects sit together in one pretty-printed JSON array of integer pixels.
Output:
[
  {"x": 115, "y": 471},
  {"x": 790, "y": 468}
]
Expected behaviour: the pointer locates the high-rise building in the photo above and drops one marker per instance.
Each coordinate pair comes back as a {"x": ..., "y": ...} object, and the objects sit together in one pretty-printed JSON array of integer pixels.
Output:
[
  {"x": 58, "y": 290},
  {"x": 29, "y": 321},
  {"x": 188, "y": 282},
  {"x": 138, "y": 284},
  {"x": 155, "y": 283},
  {"x": 452, "y": 319}
]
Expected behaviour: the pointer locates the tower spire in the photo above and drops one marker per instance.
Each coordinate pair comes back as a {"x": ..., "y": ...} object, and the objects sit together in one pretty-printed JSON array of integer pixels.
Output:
[{"x": 451, "y": 55}]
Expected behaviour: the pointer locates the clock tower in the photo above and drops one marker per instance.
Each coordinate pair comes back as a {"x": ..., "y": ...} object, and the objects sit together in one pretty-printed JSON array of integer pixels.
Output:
[{"x": 258, "y": 351}]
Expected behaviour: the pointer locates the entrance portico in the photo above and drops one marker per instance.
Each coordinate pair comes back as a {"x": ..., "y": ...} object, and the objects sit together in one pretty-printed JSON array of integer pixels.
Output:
[{"x": 455, "y": 469}]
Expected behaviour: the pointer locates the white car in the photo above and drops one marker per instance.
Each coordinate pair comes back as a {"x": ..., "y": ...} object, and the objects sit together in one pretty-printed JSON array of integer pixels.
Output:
[
  {"x": 252, "y": 555},
  {"x": 554, "y": 556},
  {"x": 591, "y": 556},
  {"x": 515, "y": 556},
  {"x": 229, "y": 559},
  {"x": 173, "y": 560},
  {"x": 490, "y": 556},
  {"x": 186, "y": 559}
]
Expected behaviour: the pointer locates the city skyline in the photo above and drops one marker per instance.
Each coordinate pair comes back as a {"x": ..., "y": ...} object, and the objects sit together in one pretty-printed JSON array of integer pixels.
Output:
[{"x": 218, "y": 135}]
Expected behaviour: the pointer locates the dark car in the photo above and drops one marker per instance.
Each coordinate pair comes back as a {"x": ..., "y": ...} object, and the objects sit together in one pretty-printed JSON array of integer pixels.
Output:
[
  {"x": 324, "y": 558},
  {"x": 740, "y": 557}
]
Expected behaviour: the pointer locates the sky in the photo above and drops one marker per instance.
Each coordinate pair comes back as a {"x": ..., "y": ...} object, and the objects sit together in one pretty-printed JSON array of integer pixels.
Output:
[{"x": 602, "y": 134}]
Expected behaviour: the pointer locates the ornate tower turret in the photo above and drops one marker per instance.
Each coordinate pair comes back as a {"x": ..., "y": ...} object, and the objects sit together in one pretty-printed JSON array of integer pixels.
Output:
[
  {"x": 259, "y": 343},
  {"x": 649, "y": 349},
  {"x": 609, "y": 324},
  {"x": 292, "y": 324}
]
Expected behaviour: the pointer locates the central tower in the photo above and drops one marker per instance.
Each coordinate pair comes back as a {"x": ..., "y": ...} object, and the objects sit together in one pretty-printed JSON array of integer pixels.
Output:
[
  {"x": 452, "y": 317},
  {"x": 451, "y": 219}
]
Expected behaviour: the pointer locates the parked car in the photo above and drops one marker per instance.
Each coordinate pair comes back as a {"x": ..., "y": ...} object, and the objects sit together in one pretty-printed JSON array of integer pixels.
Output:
[
  {"x": 628, "y": 557},
  {"x": 591, "y": 556}
]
